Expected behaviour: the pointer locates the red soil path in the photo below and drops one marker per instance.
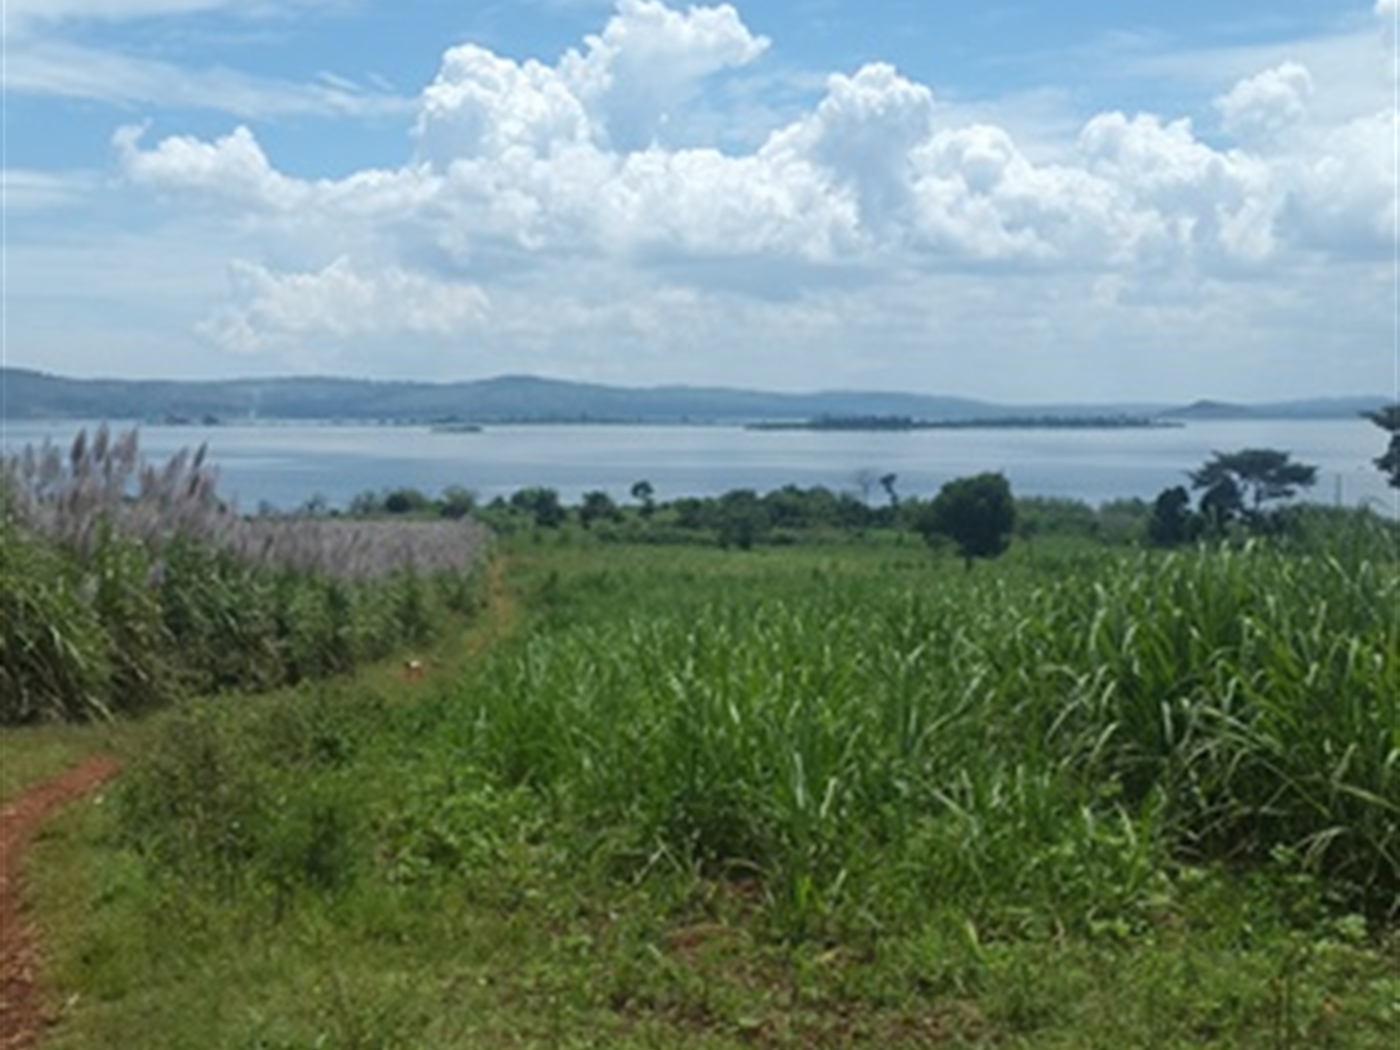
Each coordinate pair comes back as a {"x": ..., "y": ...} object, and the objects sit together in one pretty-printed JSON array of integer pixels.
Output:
[{"x": 21, "y": 1002}]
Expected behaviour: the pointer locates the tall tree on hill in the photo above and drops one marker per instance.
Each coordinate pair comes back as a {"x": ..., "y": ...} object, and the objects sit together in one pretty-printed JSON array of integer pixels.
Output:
[{"x": 1388, "y": 419}]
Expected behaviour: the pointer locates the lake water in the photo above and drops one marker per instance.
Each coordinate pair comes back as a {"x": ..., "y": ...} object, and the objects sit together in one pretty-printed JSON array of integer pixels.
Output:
[{"x": 284, "y": 464}]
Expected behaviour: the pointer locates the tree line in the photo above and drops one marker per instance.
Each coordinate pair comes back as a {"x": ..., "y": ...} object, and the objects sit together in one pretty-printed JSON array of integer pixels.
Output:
[{"x": 1246, "y": 491}]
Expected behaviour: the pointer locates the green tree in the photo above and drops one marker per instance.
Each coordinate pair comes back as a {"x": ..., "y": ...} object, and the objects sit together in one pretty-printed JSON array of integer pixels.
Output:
[
  {"x": 1238, "y": 483},
  {"x": 791, "y": 507},
  {"x": 1055, "y": 516},
  {"x": 367, "y": 504},
  {"x": 317, "y": 506},
  {"x": 406, "y": 501},
  {"x": 597, "y": 506},
  {"x": 692, "y": 512},
  {"x": 1172, "y": 522},
  {"x": 1388, "y": 419},
  {"x": 644, "y": 494},
  {"x": 741, "y": 518},
  {"x": 850, "y": 512},
  {"x": 887, "y": 483},
  {"x": 1221, "y": 503},
  {"x": 543, "y": 504},
  {"x": 456, "y": 502},
  {"x": 977, "y": 513}
]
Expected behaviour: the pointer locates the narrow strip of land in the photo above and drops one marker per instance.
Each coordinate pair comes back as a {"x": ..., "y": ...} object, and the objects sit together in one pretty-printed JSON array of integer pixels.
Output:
[{"x": 21, "y": 1001}]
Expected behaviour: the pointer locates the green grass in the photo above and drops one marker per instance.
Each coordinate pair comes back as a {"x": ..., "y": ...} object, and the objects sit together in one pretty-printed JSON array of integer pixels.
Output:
[
  {"x": 799, "y": 796},
  {"x": 534, "y": 954},
  {"x": 1229, "y": 705},
  {"x": 29, "y": 756}
]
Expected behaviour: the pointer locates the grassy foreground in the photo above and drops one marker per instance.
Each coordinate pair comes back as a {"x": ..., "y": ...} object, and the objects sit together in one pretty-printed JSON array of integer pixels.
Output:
[{"x": 815, "y": 796}]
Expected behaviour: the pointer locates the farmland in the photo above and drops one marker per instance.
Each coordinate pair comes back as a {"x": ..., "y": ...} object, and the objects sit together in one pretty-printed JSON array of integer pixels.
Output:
[{"x": 838, "y": 792}]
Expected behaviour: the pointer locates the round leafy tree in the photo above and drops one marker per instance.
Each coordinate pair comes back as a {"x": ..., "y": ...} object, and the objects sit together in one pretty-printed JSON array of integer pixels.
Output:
[{"x": 977, "y": 513}]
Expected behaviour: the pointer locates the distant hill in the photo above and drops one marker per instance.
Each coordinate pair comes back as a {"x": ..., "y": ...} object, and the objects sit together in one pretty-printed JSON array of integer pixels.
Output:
[
  {"x": 28, "y": 394},
  {"x": 1308, "y": 408},
  {"x": 34, "y": 395}
]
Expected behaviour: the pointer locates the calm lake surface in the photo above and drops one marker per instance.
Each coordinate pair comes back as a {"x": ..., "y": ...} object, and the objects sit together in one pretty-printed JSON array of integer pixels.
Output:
[{"x": 285, "y": 464}]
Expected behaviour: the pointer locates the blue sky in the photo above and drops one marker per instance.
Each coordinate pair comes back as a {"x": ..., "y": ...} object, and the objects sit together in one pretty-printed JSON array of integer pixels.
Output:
[{"x": 1022, "y": 201}]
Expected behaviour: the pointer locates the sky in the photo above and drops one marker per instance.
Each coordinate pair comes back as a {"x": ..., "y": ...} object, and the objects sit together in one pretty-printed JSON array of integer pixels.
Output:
[{"x": 1022, "y": 201}]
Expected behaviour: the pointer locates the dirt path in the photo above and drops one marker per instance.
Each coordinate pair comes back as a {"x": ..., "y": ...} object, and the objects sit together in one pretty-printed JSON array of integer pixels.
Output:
[{"x": 21, "y": 1004}]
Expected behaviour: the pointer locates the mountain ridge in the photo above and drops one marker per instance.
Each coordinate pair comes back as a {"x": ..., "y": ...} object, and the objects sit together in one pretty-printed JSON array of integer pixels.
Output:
[{"x": 30, "y": 394}]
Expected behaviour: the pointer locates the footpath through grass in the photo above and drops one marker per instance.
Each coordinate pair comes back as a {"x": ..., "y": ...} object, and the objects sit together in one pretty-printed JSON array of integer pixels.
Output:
[
  {"x": 815, "y": 796},
  {"x": 30, "y": 756}
]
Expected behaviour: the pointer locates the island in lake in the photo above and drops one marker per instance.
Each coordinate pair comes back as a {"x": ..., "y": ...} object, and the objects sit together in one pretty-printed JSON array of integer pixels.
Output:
[{"x": 1036, "y": 422}]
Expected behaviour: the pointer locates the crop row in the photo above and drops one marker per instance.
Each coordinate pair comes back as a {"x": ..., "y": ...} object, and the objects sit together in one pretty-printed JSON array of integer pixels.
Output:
[
  {"x": 1024, "y": 740},
  {"x": 1026, "y": 751}
]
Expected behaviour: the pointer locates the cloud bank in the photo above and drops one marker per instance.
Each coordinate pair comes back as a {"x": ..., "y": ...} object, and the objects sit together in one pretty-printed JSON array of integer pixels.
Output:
[{"x": 532, "y": 182}]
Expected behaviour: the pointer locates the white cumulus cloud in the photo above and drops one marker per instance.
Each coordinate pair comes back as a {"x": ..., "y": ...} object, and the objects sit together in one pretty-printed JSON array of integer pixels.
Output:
[
  {"x": 533, "y": 189},
  {"x": 864, "y": 133},
  {"x": 1345, "y": 200},
  {"x": 619, "y": 92},
  {"x": 1268, "y": 103},
  {"x": 273, "y": 310},
  {"x": 980, "y": 197},
  {"x": 1201, "y": 198},
  {"x": 485, "y": 107},
  {"x": 700, "y": 203},
  {"x": 649, "y": 61},
  {"x": 234, "y": 167}
]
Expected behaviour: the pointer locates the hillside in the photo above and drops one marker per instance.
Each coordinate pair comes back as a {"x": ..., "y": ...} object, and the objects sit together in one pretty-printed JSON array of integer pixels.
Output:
[{"x": 29, "y": 394}]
